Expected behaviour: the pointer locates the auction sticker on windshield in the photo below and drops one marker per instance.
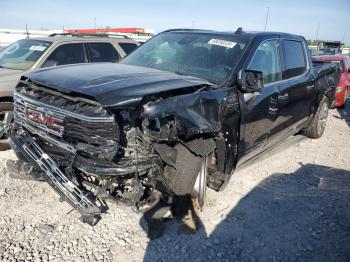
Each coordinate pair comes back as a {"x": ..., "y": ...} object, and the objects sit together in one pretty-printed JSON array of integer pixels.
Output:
[
  {"x": 223, "y": 43},
  {"x": 37, "y": 48}
]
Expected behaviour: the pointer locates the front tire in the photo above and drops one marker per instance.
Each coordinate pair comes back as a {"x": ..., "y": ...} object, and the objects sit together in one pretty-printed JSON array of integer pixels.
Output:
[
  {"x": 200, "y": 187},
  {"x": 6, "y": 113},
  {"x": 318, "y": 123}
]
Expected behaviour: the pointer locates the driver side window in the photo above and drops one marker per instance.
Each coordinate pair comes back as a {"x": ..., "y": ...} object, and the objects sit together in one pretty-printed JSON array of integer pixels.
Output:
[{"x": 266, "y": 59}]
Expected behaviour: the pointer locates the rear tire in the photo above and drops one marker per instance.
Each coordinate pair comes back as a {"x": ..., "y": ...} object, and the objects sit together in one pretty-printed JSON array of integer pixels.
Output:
[
  {"x": 318, "y": 122},
  {"x": 6, "y": 111}
]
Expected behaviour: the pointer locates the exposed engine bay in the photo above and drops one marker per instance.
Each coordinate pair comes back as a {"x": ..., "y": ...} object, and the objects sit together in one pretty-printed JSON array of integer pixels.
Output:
[{"x": 90, "y": 153}]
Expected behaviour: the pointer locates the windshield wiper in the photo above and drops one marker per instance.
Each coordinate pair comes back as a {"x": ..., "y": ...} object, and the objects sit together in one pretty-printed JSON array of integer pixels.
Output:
[
  {"x": 180, "y": 73},
  {"x": 183, "y": 74}
]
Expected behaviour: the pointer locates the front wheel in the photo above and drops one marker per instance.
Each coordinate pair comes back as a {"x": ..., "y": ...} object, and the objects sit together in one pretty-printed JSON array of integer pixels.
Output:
[
  {"x": 318, "y": 123},
  {"x": 6, "y": 112},
  {"x": 200, "y": 187}
]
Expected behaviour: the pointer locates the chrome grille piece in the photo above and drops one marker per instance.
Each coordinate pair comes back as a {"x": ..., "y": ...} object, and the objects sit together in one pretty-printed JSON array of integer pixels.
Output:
[{"x": 52, "y": 119}]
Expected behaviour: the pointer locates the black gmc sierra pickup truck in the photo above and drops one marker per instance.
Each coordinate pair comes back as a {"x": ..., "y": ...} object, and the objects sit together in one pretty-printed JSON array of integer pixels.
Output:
[{"x": 180, "y": 113}]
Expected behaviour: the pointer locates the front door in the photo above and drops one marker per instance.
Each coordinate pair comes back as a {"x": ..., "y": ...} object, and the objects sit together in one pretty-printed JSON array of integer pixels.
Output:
[{"x": 259, "y": 111}]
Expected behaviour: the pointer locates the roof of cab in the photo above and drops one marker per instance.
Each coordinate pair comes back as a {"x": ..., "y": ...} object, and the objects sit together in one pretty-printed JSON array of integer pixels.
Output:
[
  {"x": 243, "y": 33},
  {"x": 59, "y": 39}
]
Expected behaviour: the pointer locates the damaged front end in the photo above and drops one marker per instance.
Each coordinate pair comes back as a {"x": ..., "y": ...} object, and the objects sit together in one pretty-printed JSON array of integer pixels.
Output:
[{"x": 91, "y": 153}]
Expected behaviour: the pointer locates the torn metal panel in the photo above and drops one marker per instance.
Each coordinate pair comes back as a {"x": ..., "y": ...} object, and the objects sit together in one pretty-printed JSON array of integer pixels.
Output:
[
  {"x": 203, "y": 122},
  {"x": 193, "y": 114}
]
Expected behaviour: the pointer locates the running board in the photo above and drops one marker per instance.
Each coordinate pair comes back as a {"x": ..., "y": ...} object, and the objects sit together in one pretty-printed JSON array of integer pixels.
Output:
[{"x": 90, "y": 207}]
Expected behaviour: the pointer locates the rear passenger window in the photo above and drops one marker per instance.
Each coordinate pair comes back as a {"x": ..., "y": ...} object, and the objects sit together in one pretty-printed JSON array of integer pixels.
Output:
[
  {"x": 266, "y": 59},
  {"x": 294, "y": 58},
  {"x": 128, "y": 47},
  {"x": 102, "y": 52},
  {"x": 66, "y": 54}
]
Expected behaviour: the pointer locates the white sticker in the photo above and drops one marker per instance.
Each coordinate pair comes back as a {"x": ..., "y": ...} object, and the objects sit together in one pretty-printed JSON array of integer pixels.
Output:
[
  {"x": 223, "y": 43},
  {"x": 37, "y": 48}
]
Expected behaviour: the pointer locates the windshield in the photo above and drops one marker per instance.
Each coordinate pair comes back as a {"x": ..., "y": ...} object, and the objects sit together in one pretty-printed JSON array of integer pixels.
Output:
[
  {"x": 22, "y": 54},
  {"x": 208, "y": 56}
]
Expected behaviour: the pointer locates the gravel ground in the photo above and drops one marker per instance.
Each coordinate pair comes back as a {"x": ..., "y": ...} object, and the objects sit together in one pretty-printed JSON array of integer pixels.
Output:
[{"x": 293, "y": 206}]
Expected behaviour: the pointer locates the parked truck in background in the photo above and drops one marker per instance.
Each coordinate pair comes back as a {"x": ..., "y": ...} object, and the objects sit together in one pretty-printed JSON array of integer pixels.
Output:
[
  {"x": 343, "y": 87},
  {"x": 180, "y": 113}
]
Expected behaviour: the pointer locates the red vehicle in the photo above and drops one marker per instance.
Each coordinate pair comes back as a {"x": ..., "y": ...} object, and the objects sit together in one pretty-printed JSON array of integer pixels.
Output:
[{"x": 343, "y": 88}]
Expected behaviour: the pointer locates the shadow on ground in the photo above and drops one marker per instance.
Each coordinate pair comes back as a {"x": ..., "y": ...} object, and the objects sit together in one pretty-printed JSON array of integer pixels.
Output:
[
  {"x": 345, "y": 112},
  {"x": 302, "y": 216}
]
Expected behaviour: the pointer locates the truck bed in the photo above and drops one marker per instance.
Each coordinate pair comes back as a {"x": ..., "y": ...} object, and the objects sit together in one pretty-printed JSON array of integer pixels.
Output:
[
  {"x": 323, "y": 68},
  {"x": 327, "y": 75}
]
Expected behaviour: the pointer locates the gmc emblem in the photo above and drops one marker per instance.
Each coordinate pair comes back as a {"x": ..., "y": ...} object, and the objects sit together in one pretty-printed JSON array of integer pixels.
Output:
[{"x": 45, "y": 119}]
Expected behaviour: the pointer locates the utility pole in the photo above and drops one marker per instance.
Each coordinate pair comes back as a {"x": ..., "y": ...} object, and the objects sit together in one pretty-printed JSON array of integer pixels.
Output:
[
  {"x": 318, "y": 29},
  {"x": 193, "y": 24},
  {"x": 95, "y": 24},
  {"x": 267, "y": 17},
  {"x": 27, "y": 31}
]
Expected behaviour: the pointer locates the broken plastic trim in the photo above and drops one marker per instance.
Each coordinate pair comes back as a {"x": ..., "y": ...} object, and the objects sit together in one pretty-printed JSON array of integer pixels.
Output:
[{"x": 79, "y": 199}]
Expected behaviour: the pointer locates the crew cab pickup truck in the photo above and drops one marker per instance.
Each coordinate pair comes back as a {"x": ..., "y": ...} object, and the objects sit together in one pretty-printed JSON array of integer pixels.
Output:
[{"x": 180, "y": 113}]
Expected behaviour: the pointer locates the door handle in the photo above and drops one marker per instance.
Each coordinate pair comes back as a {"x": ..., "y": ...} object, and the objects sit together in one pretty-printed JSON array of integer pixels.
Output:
[
  {"x": 282, "y": 100},
  {"x": 283, "y": 97}
]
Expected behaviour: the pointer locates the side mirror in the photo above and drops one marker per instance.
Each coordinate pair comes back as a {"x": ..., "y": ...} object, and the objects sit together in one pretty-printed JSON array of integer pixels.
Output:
[{"x": 251, "y": 81}]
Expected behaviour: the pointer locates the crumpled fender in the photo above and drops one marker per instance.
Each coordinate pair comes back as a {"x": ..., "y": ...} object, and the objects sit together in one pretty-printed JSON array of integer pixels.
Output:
[
  {"x": 202, "y": 122},
  {"x": 190, "y": 114}
]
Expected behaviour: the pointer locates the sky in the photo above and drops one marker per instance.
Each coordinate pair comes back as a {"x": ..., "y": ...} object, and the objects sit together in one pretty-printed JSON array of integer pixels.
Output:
[{"x": 300, "y": 17}]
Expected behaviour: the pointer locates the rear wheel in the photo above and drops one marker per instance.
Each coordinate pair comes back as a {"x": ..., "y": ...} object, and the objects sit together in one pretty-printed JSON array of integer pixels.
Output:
[
  {"x": 318, "y": 123},
  {"x": 6, "y": 115}
]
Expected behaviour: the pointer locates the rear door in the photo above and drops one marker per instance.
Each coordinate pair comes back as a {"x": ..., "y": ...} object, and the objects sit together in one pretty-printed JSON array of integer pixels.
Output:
[
  {"x": 65, "y": 54},
  {"x": 296, "y": 91},
  {"x": 102, "y": 52},
  {"x": 128, "y": 47}
]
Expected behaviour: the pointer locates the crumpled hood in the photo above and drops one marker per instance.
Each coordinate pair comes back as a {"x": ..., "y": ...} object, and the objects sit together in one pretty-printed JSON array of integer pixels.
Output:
[{"x": 111, "y": 84}]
